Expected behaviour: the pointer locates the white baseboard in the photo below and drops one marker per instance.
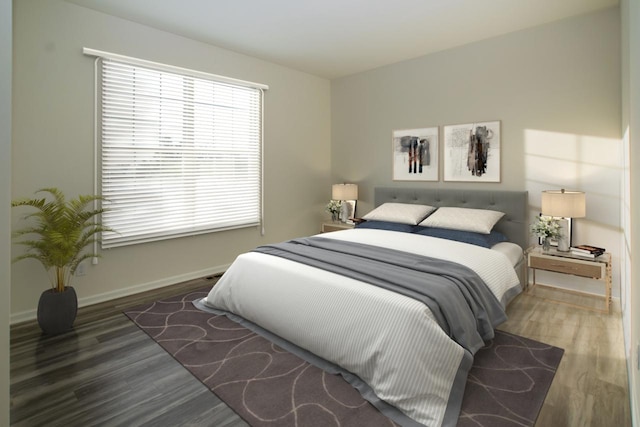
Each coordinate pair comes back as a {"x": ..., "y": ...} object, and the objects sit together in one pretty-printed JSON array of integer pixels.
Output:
[{"x": 27, "y": 315}]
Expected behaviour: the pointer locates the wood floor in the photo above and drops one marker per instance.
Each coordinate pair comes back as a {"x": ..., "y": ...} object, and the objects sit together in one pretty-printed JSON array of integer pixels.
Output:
[
  {"x": 107, "y": 372},
  {"x": 590, "y": 387}
]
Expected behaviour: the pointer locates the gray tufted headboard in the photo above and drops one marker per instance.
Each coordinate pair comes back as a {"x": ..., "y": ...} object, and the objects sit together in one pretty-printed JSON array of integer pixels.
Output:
[{"x": 514, "y": 204}]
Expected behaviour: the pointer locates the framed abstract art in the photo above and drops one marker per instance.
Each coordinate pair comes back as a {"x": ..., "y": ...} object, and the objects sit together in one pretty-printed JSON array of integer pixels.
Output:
[
  {"x": 415, "y": 154},
  {"x": 472, "y": 152}
]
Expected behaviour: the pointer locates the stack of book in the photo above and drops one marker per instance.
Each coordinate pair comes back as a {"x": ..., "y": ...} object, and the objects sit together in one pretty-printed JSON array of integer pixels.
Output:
[{"x": 588, "y": 251}]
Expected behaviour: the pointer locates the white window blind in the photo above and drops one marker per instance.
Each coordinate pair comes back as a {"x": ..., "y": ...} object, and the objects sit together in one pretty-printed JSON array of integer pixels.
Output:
[{"x": 180, "y": 154}]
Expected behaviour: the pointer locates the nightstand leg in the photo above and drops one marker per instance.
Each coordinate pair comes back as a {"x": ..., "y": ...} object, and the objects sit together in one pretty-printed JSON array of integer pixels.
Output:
[
  {"x": 531, "y": 285},
  {"x": 533, "y": 272}
]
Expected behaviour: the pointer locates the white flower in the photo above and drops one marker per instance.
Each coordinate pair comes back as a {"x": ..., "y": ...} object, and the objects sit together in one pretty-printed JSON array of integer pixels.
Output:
[
  {"x": 546, "y": 227},
  {"x": 334, "y": 206}
]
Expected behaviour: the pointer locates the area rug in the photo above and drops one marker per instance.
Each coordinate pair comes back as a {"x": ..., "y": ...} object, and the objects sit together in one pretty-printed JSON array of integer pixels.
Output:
[{"x": 268, "y": 386}]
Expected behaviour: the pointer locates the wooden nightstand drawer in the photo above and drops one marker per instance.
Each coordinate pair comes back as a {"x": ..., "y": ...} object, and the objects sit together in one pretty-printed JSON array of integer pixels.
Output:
[{"x": 557, "y": 264}]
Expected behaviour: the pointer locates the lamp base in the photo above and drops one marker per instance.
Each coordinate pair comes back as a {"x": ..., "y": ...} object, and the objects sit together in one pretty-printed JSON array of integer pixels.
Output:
[
  {"x": 345, "y": 211},
  {"x": 563, "y": 240}
]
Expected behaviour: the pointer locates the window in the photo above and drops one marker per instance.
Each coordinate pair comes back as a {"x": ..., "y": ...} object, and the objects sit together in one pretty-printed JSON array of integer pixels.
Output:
[{"x": 179, "y": 154}]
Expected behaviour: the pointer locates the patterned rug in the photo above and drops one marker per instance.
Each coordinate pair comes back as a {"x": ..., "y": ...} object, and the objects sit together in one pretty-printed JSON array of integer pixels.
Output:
[{"x": 268, "y": 386}]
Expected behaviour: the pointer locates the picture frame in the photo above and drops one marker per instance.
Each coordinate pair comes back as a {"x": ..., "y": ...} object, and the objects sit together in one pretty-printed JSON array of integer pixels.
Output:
[
  {"x": 415, "y": 154},
  {"x": 472, "y": 152},
  {"x": 554, "y": 242}
]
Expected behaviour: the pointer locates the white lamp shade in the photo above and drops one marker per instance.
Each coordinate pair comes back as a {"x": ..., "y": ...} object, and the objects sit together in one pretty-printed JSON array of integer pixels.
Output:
[
  {"x": 561, "y": 203},
  {"x": 344, "y": 192}
]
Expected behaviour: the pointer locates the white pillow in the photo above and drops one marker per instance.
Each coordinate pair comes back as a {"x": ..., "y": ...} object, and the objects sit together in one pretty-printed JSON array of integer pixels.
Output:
[
  {"x": 403, "y": 213},
  {"x": 476, "y": 220}
]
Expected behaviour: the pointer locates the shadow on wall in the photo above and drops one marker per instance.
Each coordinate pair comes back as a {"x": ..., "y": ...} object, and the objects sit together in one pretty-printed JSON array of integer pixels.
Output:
[{"x": 577, "y": 162}]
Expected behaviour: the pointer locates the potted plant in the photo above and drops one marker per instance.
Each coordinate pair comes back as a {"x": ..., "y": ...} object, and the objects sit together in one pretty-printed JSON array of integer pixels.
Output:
[
  {"x": 547, "y": 228},
  {"x": 334, "y": 207},
  {"x": 59, "y": 231}
]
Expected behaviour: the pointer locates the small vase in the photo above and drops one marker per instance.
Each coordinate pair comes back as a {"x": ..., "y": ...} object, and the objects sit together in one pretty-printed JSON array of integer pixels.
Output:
[
  {"x": 334, "y": 216},
  {"x": 546, "y": 244}
]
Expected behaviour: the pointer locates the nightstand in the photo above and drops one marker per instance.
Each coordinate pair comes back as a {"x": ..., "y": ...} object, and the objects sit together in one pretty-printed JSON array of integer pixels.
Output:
[
  {"x": 329, "y": 226},
  {"x": 566, "y": 263}
]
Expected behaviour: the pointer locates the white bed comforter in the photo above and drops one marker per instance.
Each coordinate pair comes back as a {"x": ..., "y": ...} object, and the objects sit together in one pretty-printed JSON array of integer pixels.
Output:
[{"x": 390, "y": 341}]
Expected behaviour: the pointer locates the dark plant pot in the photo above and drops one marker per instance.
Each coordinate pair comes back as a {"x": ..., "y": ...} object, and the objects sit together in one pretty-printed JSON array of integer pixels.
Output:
[{"x": 57, "y": 310}]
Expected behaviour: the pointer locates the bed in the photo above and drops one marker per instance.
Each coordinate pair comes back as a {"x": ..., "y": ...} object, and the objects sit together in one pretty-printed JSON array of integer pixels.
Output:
[{"x": 354, "y": 302}]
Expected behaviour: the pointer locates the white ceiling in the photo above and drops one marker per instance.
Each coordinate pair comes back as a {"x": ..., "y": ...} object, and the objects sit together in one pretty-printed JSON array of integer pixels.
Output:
[{"x": 334, "y": 38}]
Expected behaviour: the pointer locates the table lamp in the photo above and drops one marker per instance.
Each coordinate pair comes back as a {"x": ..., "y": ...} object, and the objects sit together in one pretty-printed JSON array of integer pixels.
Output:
[
  {"x": 348, "y": 194},
  {"x": 563, "y": 204}
]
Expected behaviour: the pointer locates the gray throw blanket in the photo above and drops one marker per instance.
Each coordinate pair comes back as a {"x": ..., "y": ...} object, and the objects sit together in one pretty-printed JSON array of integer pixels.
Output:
[{"x": 461, "y": 302}]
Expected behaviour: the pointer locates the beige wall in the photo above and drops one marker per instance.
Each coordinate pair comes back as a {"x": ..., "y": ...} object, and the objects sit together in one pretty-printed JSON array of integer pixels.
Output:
[
  {"x": 53, "y": 134},
  {"x": 556, "y": 89},
  {"x": 5, "y": 197},
  {"x": 630, "y": 12}
]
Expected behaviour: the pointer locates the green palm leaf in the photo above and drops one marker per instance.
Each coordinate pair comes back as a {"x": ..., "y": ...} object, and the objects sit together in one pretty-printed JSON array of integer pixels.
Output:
[{"x": 59, "y": 232}]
